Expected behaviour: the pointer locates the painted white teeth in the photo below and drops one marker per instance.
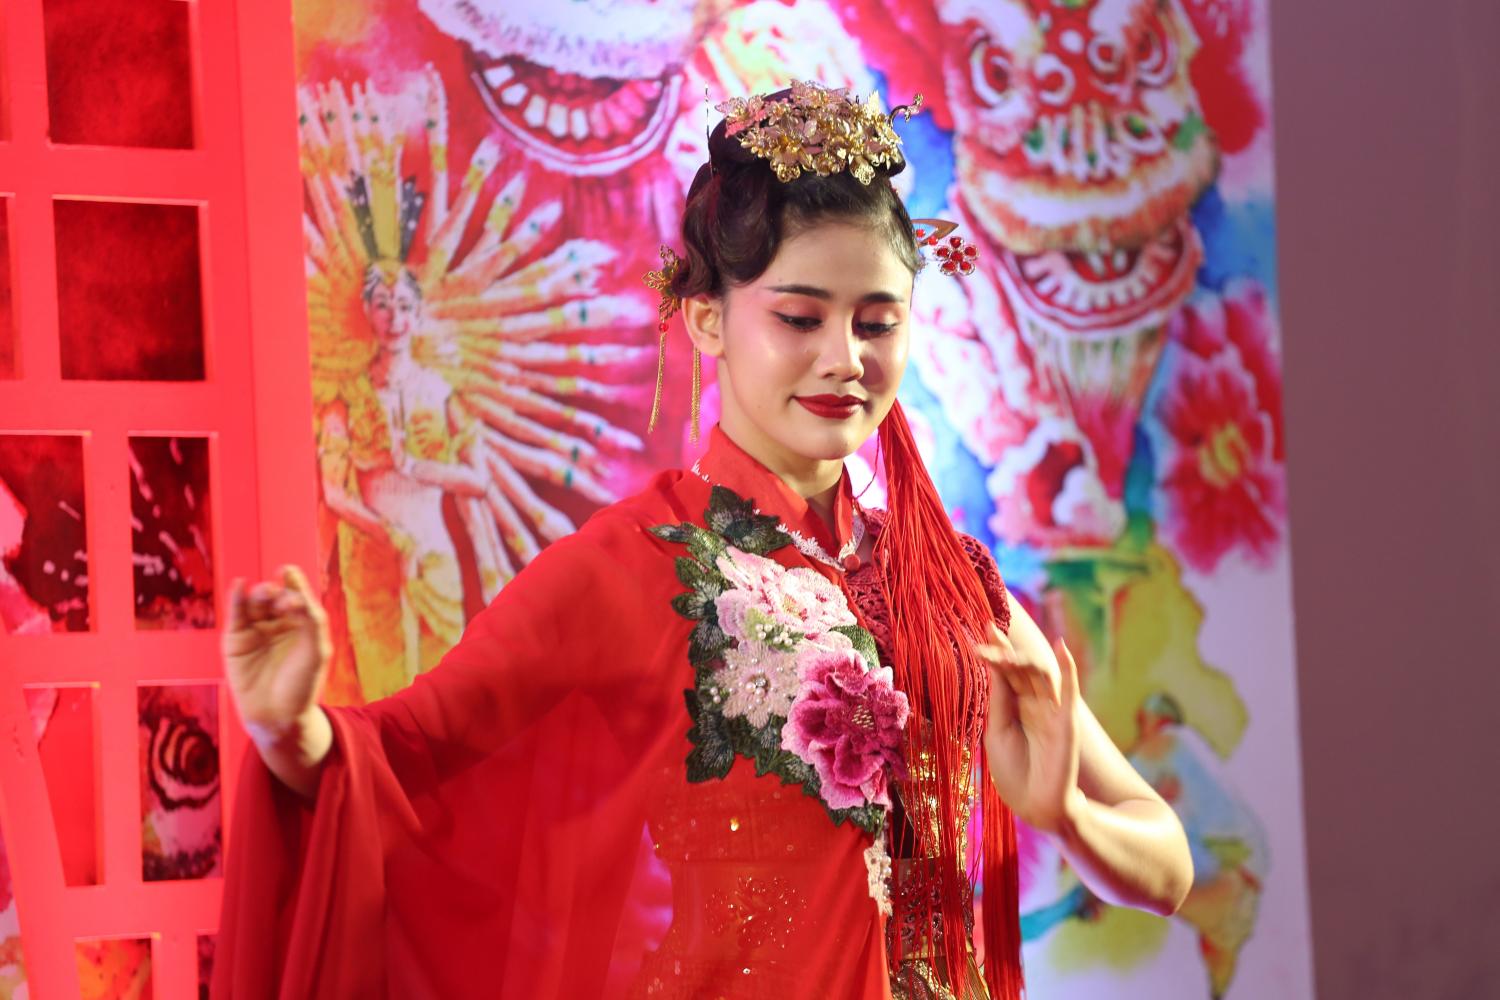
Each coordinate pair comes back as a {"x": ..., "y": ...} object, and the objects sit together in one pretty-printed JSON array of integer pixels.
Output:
[
  {"x": 557, "y": 121},
  {"x": 619, "y": 119},
  {"x": 579, "y": 123},
  {"x": 513, "y": 95},
  {"x": 536, "y": 111},
  {"x": 629, "y": 101},
  {"x": 599, "y": 123},
  {"x": 498, "y": 76}
]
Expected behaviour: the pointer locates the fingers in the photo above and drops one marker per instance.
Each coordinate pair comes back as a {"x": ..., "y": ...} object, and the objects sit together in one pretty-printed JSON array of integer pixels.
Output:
[
  {"x": 1025, "y": 676},
  {"x": 268, "y": 602},
  {"x": 304, "y": 599},
  {"x": 1068, "y": 668},
  {"x": 237, "y": 611}
]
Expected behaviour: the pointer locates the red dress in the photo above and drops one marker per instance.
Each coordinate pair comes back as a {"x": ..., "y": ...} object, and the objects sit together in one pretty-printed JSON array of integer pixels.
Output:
[{"x": 521, "y": 822}]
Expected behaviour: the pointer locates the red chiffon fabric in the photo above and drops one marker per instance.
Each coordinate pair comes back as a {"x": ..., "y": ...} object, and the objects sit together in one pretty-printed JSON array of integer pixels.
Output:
[{"x": 518, "y": 823}]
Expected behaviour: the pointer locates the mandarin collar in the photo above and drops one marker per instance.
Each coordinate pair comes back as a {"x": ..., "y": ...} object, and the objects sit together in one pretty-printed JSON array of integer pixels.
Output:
[{"x": 727, "y": 464}]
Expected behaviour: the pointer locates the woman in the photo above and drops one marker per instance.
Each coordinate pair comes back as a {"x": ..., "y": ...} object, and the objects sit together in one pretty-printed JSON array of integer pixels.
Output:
[{"x": 728, "y": 738}]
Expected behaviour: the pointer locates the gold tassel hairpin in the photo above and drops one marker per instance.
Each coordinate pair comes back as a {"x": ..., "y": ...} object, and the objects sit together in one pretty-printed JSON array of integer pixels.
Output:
[{"x": 660, "y": 281}]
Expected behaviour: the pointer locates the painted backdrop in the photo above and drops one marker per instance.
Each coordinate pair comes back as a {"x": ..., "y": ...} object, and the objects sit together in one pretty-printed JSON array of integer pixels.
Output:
[{"x": 486, "y": 182}]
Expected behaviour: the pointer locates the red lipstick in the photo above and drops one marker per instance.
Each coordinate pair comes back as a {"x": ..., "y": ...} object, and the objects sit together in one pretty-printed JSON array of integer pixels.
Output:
[{"x": 832, "y": 407}]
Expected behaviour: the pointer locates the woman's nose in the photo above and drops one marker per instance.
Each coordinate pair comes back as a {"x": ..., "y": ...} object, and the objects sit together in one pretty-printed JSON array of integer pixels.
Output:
[{"x": 840, "y": 354}]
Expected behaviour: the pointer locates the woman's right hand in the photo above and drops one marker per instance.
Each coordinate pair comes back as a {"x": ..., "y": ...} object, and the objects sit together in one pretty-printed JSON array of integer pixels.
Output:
[{"x": 276, "y": 654}]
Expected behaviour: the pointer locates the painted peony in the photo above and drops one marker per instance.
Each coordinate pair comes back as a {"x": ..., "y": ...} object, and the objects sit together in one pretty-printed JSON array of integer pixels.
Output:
[
  {"x": 1217, "y": 430},
  {"x": 847, "y": 723}
]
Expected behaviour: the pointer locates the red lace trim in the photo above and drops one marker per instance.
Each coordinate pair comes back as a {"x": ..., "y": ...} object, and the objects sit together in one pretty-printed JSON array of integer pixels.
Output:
[{"x": 868, "y": 595}]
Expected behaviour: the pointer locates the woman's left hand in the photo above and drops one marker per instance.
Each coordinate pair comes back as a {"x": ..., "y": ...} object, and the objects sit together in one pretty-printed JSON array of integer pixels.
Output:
[{"x": 1032, "y": 738}]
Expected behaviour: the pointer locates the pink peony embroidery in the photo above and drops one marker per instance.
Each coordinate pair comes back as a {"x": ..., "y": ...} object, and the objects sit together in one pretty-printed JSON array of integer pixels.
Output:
[
  {"x": 847, "y": 723},
  {"x": 774, "y": 605},
  {"x": 758, "y": 682}
]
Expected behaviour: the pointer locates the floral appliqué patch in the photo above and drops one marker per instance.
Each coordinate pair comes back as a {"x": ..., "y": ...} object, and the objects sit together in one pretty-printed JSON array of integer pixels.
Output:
[{"x": 784, "y": 675}]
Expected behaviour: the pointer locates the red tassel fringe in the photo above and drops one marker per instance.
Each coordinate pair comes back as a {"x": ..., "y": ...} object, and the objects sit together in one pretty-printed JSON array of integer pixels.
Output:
[{"x": 938, "y": 613}]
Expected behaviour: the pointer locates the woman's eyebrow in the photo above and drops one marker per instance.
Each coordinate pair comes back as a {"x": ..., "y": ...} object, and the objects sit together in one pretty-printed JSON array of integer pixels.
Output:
[{"x": 815, "y": 292}]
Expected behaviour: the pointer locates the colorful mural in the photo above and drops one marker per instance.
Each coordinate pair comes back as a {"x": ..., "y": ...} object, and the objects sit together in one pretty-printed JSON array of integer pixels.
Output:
[{"x": 1100, "y": 401}]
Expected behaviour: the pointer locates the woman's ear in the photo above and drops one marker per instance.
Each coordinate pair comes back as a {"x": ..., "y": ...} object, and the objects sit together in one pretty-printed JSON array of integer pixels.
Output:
[{"x": 703, "y": 315}]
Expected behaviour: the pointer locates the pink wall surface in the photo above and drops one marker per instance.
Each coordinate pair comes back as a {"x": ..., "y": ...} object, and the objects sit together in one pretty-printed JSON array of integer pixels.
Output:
[{"x": 1388, "y": 164}]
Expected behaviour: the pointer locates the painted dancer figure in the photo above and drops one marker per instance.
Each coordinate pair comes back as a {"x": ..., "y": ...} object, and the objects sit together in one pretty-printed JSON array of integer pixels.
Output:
[
  {"x": 739, "y": 684},
  {"x": 457, "y": 385}
]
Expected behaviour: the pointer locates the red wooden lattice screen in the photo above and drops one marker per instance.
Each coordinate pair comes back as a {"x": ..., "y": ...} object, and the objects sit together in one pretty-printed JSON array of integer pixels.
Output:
[{"x": 73, "y": 179}]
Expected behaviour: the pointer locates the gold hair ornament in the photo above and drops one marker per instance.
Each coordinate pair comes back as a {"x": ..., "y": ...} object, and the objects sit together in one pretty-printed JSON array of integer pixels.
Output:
[
  {"x": 660, "y": 281},
  {"x": 819, "y": 129}
]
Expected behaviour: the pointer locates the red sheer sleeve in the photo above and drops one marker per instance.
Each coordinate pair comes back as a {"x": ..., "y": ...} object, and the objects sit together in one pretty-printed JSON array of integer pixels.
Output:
[{"x": 460, "y": 816}]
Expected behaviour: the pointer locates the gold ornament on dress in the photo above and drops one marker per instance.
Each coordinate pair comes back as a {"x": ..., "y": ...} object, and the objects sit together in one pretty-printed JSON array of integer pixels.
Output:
[{"x": 820, "y": 129}]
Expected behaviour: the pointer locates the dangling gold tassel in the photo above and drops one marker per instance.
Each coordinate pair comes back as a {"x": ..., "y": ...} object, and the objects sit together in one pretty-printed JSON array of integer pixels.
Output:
[
  {"x": 697, "y": 391},
  {"x": 660, "y": 281},
  {"x": 661, "y": 372}
]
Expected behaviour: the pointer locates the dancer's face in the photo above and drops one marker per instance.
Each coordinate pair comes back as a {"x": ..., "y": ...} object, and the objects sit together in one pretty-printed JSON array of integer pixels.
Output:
[
  {"x": 810, "y": 354},
  {"x": 394, "y": 309}
]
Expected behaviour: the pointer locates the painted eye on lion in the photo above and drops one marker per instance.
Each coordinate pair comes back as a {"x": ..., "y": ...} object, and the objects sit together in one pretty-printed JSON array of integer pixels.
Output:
[
  {"x": 989, "y": 71},
  {"x": 1106, "y": 58},
  {"x": 1155, "y": 56}
]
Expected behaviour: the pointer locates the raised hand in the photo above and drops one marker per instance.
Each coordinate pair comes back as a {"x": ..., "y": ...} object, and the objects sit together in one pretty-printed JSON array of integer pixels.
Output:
[
  {"x": 276, "y": 654},
  {"x": 1032, "y": 737}
]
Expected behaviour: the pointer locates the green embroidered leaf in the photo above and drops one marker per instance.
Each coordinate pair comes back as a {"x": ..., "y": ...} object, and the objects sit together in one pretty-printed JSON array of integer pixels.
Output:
[
  {"x": 674, "y": 532},
  {"x": 733, "y": 518},
  {"x": 869, "y": 818},
  {"x": 692, "y": 604},
  {"x": 706, "y": 547},
  {"x": 707, "y": 641},
  {"x": 796, "y": 771},
  {"x": 712, "y": 755},
  {"x": 864, "y": 643},
  {"x": 694, "y": 574},
  {"x": 726, "y": 508},
  {"x": 765, "y": 747},
  {"x": 763, "y": 539}
]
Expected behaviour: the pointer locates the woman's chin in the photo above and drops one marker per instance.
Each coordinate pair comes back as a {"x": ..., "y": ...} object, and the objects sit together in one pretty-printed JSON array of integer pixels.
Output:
[{"x": 823, "y": 440}]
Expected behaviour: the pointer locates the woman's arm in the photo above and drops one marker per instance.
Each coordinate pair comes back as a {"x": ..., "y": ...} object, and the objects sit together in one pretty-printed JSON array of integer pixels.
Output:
[
  {"x": 1121, "y": 837},
  {"x": 276, "y": 651}
]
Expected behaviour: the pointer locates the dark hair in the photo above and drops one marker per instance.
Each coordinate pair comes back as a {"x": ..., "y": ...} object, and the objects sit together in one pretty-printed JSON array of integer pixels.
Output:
[{"x": 738, "y": 213}]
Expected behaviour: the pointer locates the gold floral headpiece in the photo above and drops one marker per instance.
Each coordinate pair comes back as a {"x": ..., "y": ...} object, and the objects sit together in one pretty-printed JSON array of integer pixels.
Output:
[{"x": 817, "y": 128}]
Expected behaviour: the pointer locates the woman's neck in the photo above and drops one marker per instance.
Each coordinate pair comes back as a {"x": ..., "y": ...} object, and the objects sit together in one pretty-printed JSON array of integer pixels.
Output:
[{"x": 815, "y": 480}]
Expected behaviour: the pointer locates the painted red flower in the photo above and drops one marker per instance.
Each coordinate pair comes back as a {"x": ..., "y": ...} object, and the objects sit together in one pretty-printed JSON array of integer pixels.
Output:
[
  {"x": 1221, "y": 484},
  {"x": 1238, "y": 319}
]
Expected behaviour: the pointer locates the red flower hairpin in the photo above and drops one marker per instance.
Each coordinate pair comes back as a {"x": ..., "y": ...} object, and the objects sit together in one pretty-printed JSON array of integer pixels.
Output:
[{"x": 956, "y": 253}]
